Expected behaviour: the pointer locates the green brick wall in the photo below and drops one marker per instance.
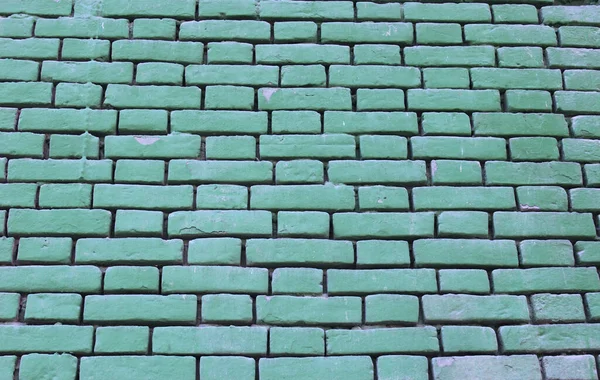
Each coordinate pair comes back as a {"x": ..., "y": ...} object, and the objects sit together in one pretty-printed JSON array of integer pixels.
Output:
[{"x": 307, "y": 190}]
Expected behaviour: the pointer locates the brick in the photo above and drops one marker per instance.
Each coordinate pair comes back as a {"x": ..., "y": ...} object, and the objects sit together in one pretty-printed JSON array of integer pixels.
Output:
[
  {"x": 227, "y": 308},
  {"x": 546, "y": 253},
  {"x": 77, "y": 195},
  {"x": 546, "y": 198},
  {"x": 122, "y": 340},
  {"x": 221, "y": 197},
  {"x": 451, "y": 172},
  {"x": 559, "y": 15},
  {"x": 389, "y": 32},
  {"x": 465, "y": 253},
  {"x": 466, "y": 148},
  {"x": 210, "y": 340},
  {"x": 290, "y": 310},
  {"x": 182, "y": 9},
  {"x": 390, "y": 366},
  {"x": 128, "y": 250},
  {"x": 19, "y": 70},
  {"x": 207, "y": 279},
  {"x": 9, "y": 306},
  {"x": 457, "y": 339},
  {"x": 391, "y": 309},
  {"x": 7, "y": 246},
  {"x": 25, "y": 94},
  {"x": 162, "y": 29},
  {"x": 470, "y": 281},
  {"x": 131, "y": 280},
  {"x": 53, "y": 308},
  {"x": 591, "y": 300},
  {"x": 450, "y": 55},
  {"x": 582, "y": 80},
  {"x": 510, "y": 34},
  {"x": 143, "y": 197},
  {"x": 446, "y": 78},
  {"x": 29, "y": 222},
  {"x": 74, "y": 146},
  {"x": 143, "y": 122},
  {"x": 78, "y": 95},
  {"x": 375, "y": 198},
  {"x": 538, "y": 224},
  {"x": 549, "y": 338},
  {"x": 138, "y": 223},
  {"x": 36, "y": 366},
  {"x": 230, "y": 8},
  {"x": 137, "y": 367},
  {"x": 44, "y": 250},
  {"x": 170, "y": 146},
  {"x": 140, "y": 171},
  {"x": 447, "y": 12},
  {"x": 29, "y": 48},
  {"x": 22, "y": 144},
  {"x": 516, "y": 78},
  {"x": 576, "y": 101},
  {"x": 379, "y": 99},
  {"x": 411, "y": 340},
  {"x": 303, "y": 76},
  {"x": 123, "y": 96},
  {"x": 557, "y": 308},
  {"x": 462, "y": 308},
  {"x": 46, "y": 339},
  {"x": 184, "y": 171},
  {"x": 318, "y": 99},
  {"x": 325, "y": 146},
  {"x": 370, "y": 281},
  {"x": 404, "y": 123},
  {"x": 378, "y": 12},
  {"x": 515, "y": 14},
  {"x": 592, "y": 174},
  {"x": 382, "y": 253},
  {"x": 229, "y": 52},
  {"x": 376, "y": 54},
  {"x": 374, "y": 76},
  {"x": 463, "y": 198},
  {"x": 301, "y": 10},
  {"x": 563, "y": 367},
  {"x": 536, "y": 280},
  {"x": 503, "y": 367},
  {"x": 93, "y": 27},
  {"x": 159, "y": 73},
  {"x": 341, "y": 367},
  {"x": 388, "y": 225},
  {"x": 61, "y": 279},
  {"x": 453, "y": 100},
  {"x": 68, "y": 120},
  {"x": 8, "y": 119},
  {"x": 85, "y": 49},
  {"x": 586, "y": 252},
  {"x": 463, "y": 224},
  {"x": 377, "y": 172},
  {"x": 303, "y": 224},
  {"x": 289, "y": 197},
  {"x": 438, "y": 34},
  {"x": 446, "y": 123},
  {"x": 84, "y": 72},
  {"x": 299, "y": 171},
  {"x": 295, "y": 31},
  {"x": 298, "y": 252},
  {"x": 530, "y": 173},
  {"x": 384, "y": 147},
  {"x": 579, "y": 36},
  {"x": 302, "y": 54},
  {"x": 565, "y": 58},
  {"x": 530, "y": 56},
  {"x": 584, "y": 199},
  {"x": 214, "y": 367},
  {"x": 229, "y": 97},
  {"x": 259, "y": 75},
  {"x": 533, "y": 100},
  {"x": 282, "y": 341},
  {"x": 305, "y": 281},
  {"x": 16, "y": 27},
  {"x": 221, "y": 30},
  {"x": 215, "y": 251},
  {"x": 520, "y": 124},
  {"x": 586, "y": 126},
  {"x": 152, "y": 309}
]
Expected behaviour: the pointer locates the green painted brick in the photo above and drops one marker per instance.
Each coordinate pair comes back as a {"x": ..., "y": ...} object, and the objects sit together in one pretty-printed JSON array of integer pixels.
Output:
[
  {"x": 122, "y": 340},
  {"x": 374, "y": 76},
  {"x": 516, "y": 78},
  {"x": 230, "y": 147},
  {"x": 169, "y": 97},
  {"x": 581, "y": 150},
  {"x": 447, "y": 12},
  {"x": 463, "y": 198},
  {"x": 373, "y": 281},
  {"x": 210, "y": 279},
  {"x": 557, "y": 308},
  {"x": 215, "y": 251},
  {"x": 460, "y": 339},
  {"x": 152, "y": 309},
  {"x": 46, "y": 339},
  {"x": 340, "y": 367},
  {"x": 326, "y": 197},
  {"x": 438, "y": 34},
  {"x": 446, "y": 123},
  {"x": 582, "y": 80},
  {"x": 547, "y": 198},
  {"x": 560, "y": 367},
  {"x": 537, "y": 280},
  {"x": 538, "y": 224},
  {"x": 229, "y": 52},
  {"x": 299, "y": 171},
  {"x": 227, "y": 308},
  {"x": 533, "y": 173},
  {"x": 294, "y": 311},
  {"x": 137, "y": 367},
  {"x": 370, "y": 54},
  {"x": 228, "y": 8},
  {"x": 391, "y": 309},
  {"x": 549, "y": 338},
  {"x": 259, "y": 75},
  {"x": 180, "y": 9},
  {"x": 283, "y": 10},
  {"x": 222, "y": 30},
  {"x": 7, "y": 365},
  {"x": 85, "y": 49},
  {"x": 412, "y": 340},
  {"x": 384, "y": 147},
  {"x": 19, "y": 70},
  {"x": 378, "y": 12},
  {"x": 303, "y": 224},
  {"x": 37, "y": 366},
  {"x": 303, "y": 76},
  {"x": 515, "y": 14},
  {"x": 68, "y": 120},
  {"x": 301, "y": 54},
  {"x": 84, "y": 72},
  {"x": 587, "y": 252},
  {"x": 533, "y": 149},
  {"x": 143, "y": 121},
  {"x": 23, "y": 144},
  {"x": 510, "y": 34},
  {"x": 558, "y": 15},
  {"x": 295, "y": 31},
  {"x": 53, "y": 308},
  {"x": 145, "y": 197},
  {"x": 6, "y": 250},
  {"x": 159, "y": 73},
  {"x": 592, "y": 300},
  {"x": 152, "y": 29},
  {"x": 390, "y": 367},
  {"x": 584, "y": 199},
  {"x": 382, "y": 253},
  {"x": 9, "y": 306},
  {"x": 74, "y": 146},
  {"x": 25, "y": 94},
  {"x": 298, "y": 252},
  {"x": 592, "y": 174},
  {"x": 532, "y": 100},
  {"x": 295, "y": 122},
  {"x": 387, "y": 225},
  {"x": 446, "y": 78},
  {"x": 379, "y": 99},
  {"x": 497, "y": 367},
  {"x": 131, "y": 280},
  {"x": 44, "y": 250},
  {"x": 539, "y": 253},
  {"x": 8, "y": 119},
  {"x": 140, "y": 171},
  {"x": 375, "y": 198},
  {"x": 58, "y": 279},
  {"x": 317, "y": 99},
  {"x": 29, "y": 222},
  {"x": 471, "y": 253},
  {"x": 221, "y": 197},
  {"x": 306, "y": 281},
  {"x": 176, "y": 145},
  {"x": 572, "y": 58},
  {"x": 462, "y": 224},
  {"x": 470, "y": 281},
  {"x": 483, "y": 310},
  {"x": 324, "y": 146},
  {"x": 377, "y": 172},
  {"x": 579, "y": 36},
  {"x": 450, "y": 56},
  {"x": 466, "y": 148},
  {"x": 63, "y": 195},
  {"x": 229, "y": 97},
  {"x": 530, "y": 56},
  {"x": 404, "y": 123},
  {"x": 17, "y": 195},
  {"x": 237, "y": 367},
  {"x": 16, "y": 26},
  {"x": 91, "y": 27},
  {"x": 187, "y": 171},
  {"x": 210, "y": 340},
  {"x": 138, "y": 223},
  {"x": 453, "y": 100},
  {"x": 298, "y": 341},
  {"x": 128, "y": 250},
  {"x": 29, "y": 48}
]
